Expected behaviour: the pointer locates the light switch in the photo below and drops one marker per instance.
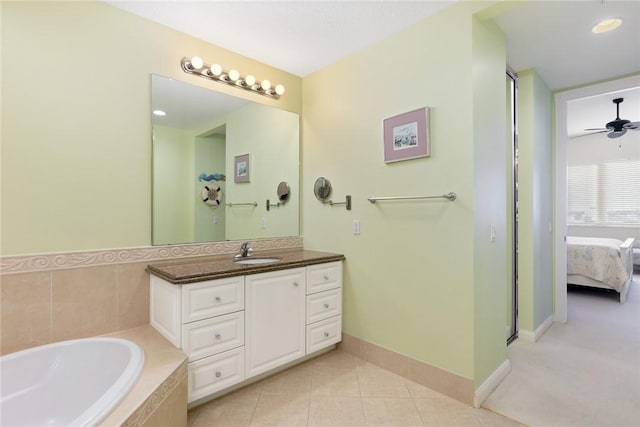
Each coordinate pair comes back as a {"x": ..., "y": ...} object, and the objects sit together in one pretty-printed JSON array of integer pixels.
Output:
[
  {"x": 356, "y": 226},
  {"x": 492, "y": 233}
]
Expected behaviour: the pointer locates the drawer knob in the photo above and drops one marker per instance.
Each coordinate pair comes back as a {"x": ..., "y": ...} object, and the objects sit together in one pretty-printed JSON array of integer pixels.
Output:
[
  {"x": 218, "y": 336},
  {"x": 326, "y": 277},
  {"x": 218, "y": 299},
  {"x": 296, "y": 284},
  {"x": 326, "y": 334},
  {"x": 218, "y": 374},
  {"x": 326, "y": 305}
]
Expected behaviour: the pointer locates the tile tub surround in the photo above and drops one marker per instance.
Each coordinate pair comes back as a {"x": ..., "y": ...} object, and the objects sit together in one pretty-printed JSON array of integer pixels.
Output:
[
  {"x": 218, "y": 267},
  {"x": 159, "y": 397},
  {"x": 430, "y": 376},
  {"x": 39, "y": 308},
  {"x": 52, "y": 297}
]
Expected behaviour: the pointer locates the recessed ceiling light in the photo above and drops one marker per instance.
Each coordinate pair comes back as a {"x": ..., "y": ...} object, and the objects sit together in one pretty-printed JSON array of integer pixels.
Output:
[
  {"x": 606, "y": 25},
  {"x": 159, "y": 113}
]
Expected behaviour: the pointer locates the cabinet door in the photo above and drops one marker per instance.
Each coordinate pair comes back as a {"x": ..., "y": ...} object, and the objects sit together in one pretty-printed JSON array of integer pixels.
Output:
[{"x": 275, "y": 319}]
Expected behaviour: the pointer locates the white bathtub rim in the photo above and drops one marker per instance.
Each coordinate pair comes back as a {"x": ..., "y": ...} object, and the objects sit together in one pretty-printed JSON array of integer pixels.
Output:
[
  {"x": 118, "y": 391},
  {"x": 92, "y": 416}
]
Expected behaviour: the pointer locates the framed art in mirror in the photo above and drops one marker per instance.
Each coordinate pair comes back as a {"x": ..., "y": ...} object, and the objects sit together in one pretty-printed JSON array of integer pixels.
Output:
[{"x": 242, "y": 168}]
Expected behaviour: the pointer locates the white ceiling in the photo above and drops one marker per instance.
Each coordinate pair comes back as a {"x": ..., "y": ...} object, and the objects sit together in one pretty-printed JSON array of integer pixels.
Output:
[
  {"x": 555, "y": 38},
  {"x": 302, "y": 36},
  {"x": 299, "y": 36}
]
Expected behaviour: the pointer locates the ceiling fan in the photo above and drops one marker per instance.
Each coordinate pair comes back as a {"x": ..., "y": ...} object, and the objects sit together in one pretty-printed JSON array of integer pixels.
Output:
[{"x": 618, "y": 127}]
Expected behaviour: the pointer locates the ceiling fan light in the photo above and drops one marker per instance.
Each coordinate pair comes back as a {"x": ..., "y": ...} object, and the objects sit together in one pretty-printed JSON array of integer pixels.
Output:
[{"x": 606, "y": 25}]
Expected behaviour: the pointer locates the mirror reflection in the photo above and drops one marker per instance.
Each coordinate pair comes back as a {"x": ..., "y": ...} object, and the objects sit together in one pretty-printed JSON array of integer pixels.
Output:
[{"x": 197, "y": 135}]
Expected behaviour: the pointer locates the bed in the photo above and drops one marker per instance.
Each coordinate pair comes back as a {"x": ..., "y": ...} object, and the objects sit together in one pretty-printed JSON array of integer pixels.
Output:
[{"x": 600, "y": 263}]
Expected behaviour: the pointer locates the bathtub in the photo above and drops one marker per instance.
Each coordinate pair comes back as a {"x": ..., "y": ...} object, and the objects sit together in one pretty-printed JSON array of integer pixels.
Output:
[{"x": 69, "y": 383}]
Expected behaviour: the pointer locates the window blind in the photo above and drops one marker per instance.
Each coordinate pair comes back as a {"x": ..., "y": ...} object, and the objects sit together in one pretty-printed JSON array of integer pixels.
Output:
[{"x": 607, "y": 193}]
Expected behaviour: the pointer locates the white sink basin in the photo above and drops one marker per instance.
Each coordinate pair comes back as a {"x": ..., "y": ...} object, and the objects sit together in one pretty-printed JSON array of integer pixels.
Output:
[{"x": 256, "y": 260}]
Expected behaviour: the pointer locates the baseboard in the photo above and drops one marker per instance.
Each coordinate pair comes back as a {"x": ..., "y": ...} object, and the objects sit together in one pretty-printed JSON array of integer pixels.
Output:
[
  {"x": 535, "y": 335},
  {"x": 490, "y": 384},
  {"x": 433, "y": 377}
]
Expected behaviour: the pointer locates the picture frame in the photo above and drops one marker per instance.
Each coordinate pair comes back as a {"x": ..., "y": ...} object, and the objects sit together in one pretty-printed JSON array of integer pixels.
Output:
[
  {"x": 242, "y": 168},
  {"x": 406, "y": 136}
]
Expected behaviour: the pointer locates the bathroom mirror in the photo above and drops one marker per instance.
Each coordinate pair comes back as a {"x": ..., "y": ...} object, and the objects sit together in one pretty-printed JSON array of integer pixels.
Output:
[
  {"x": 322, "y": 189},
  {"x": 193, "y": 148},
  {"x": 283, "y": 192}
]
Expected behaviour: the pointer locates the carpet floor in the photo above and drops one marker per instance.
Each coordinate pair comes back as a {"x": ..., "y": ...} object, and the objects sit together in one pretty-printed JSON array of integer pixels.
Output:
[{"x": 582, "y": 373}]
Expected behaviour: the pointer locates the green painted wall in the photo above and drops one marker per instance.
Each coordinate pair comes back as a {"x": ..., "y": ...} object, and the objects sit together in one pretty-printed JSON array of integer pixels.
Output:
[
  {"x": 173, "y": 152},
  {"x": 489, "y": 195},
  {"x": 209, "y": 158},
  {"x": 410, "y": 275},
  {"x": 76, "y": 132},
  {"x": 271, "y": 138},
  {"x": 535, "y": 287}
]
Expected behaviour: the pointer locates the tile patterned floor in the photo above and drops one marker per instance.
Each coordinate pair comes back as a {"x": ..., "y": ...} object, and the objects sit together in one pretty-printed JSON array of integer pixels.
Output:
[{"x": 340, "y": 390}]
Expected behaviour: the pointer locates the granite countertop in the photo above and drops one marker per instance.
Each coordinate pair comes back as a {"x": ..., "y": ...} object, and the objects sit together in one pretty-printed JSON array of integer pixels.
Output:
[{"x": 221, "y": 266}]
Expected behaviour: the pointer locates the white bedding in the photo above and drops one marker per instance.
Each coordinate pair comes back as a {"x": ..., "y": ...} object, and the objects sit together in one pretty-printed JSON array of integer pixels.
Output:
[{"x": 598, "y": 259}]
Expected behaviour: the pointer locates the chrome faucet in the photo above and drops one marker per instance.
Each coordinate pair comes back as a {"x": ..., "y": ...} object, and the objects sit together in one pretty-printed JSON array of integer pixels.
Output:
[{"x": 245, "y": 250}]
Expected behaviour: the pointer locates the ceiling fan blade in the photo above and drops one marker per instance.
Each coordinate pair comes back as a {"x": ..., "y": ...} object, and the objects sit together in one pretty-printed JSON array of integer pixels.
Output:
[
  {"x": 580, "y": 135},
  {"x": 600, "y": 129},
  {"x": 632, "y": 125},
  {"x": 616, "y": 133}
]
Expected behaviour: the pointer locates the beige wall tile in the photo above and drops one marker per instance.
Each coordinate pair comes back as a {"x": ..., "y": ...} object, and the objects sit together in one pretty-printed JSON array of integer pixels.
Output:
[
  {"x": 350, "y": 344},
  {"x": 173, "y": 410},
  {"x": 84, "y": 302},
  {"x": 25, "y": 311},
  {"x": 389, "y": 360},
  {"x": 442, "y": 381},
  {"x": 133, "y": 295}
]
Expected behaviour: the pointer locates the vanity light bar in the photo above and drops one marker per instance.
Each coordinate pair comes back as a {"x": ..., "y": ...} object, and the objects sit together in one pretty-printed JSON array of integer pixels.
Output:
[{"x": 195, "y": 65}]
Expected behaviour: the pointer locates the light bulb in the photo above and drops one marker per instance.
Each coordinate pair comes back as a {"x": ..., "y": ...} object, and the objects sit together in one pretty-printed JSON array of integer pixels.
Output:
[
  {"x": 606, "y": 25},
  {"x": 250, "y": 80},
  {"x": 234, "y": 75},
  {"x": 265, "y": 84},
  {"x": 196, "y": 62},
  {"x": 216, "y": 70},
  {"x": 279, "y": 89},
  {"x": 159, "y": 113}
]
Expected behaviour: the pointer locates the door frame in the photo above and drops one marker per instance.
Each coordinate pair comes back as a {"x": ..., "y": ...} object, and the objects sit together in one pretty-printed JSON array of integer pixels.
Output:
[{"x": 560, "y": 232}]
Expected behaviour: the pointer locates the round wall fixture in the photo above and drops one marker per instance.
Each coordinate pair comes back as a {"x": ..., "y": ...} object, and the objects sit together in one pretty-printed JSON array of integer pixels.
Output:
[
  {"x": 212, "y": 196},
  {"x": 283, "y": 192},
  {"x": 322, "y": 189}
]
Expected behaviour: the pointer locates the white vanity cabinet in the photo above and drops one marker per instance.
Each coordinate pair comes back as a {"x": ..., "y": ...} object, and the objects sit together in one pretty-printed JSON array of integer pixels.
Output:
[
  {"x": 237, "y": 328},
  {"x": 275, "y": 319},
  {"x": 206, "y": 320},
  {"x": 323, "y": 306}
]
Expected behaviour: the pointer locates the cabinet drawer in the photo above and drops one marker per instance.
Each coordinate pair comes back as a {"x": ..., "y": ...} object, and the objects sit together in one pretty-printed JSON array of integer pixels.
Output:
[
  {"x": 212, "y": 298},
  {"x": 323, "y": 305},
  {"x": 214, "y": 373},
  {"x": 324, "y": 333},
  {"x": 322, "y": 277},
  {"x": 211, "y": 336}
]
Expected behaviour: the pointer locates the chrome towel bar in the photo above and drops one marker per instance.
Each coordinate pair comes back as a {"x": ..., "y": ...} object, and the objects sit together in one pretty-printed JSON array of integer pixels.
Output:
[
  {"x": 254, "y": 204},
  {"x": 451, "y": 196}
]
